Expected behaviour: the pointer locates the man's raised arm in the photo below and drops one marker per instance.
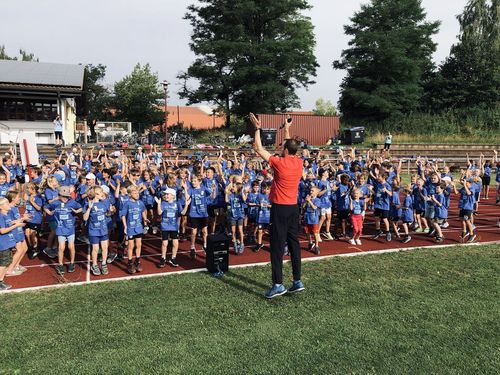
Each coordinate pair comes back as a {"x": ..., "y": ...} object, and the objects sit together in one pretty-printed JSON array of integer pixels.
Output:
[{"x": 259, "y": 149}]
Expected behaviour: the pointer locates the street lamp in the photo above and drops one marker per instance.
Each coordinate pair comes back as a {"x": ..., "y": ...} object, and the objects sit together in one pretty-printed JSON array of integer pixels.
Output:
[{"x": 165, "y": 87}]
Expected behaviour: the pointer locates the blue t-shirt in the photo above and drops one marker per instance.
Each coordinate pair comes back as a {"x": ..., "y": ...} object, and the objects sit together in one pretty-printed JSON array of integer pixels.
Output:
[
  {"x": 418, "y": 200},
  {"x": 466, "y": 201},
  {"x": 147, "y": 196},
  {"x": 441, "y": 209},
  {"x": 407, "y": 209},
  {"x": 97, "y": 222},
  {"x": 396, "y": 210},
  {"x": 311, "y": 215},
  {"x": 132, "y": 211},
  {"x": 252, "y": 209},
  {"x": 7, "y": 240},
  {"x": 198, "y": 206},
  {"x": 325, "y": 185},
  {"x": 382, "y": 198},
  {"x": 264, "y": 213},
  {"x": 343, "y": 198},
  {"x": 18, "y": 232},
  {"x": 64, "y": 216},
  {"x": 36, "y": 215},
  {"x": 169, "y": 216},
  {"x": 358, "y": 206},
  {"x": 235, "y": 205}
]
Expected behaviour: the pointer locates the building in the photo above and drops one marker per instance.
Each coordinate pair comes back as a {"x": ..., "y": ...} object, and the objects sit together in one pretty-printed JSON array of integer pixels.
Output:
[
  {"x": 191, "y": 117},
  {"x": 33, "y": 93}
]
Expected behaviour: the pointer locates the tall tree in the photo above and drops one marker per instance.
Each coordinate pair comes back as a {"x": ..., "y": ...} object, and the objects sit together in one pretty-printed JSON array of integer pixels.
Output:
[
  {"x": 388, "y": 55},
  {"x": 97, "y": 97},
  {"x": 137, "y": 97},
  {"x": 251, "y": 54},
  {"x": 324, "y": 108},
  {"x": 470, "y": 76}
]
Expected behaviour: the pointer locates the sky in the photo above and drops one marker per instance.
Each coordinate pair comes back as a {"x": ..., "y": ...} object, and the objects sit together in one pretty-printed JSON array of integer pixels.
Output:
[{"x": 121, "y": 33}]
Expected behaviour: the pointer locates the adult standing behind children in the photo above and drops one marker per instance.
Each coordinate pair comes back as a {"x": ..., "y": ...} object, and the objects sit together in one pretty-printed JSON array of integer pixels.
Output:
[
  {"x": 58, "y": 130},
  {"x": 285, "y": 210},
  {"x": 388, "y": 141}
]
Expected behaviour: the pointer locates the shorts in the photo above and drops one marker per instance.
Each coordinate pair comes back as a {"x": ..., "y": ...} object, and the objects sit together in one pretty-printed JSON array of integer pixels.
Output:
[
  {"x": 326, "y": 211},
  {"x": 486, "y": 180},
  {"x": 58, "y": 135},
  {"x": 95, "y": 240},
  {"x": 5, "y": 258},
  {"x": 419, "y": 212},
  {"x": 135, "y": 236},
  {"x": 343, "y": 214},
  {"x": 465, "y": 214},
  {"x": 262, "y": 226},
  {"x": 251, "y": 220},
  {"x": 33, "y": 226},
  {"x": 214, "y": 210},
  {"x": 430, "y": 212},
  {"x": 383, "y": 214},
  {"x": 438, "y": 220},
  {"x": 149, "y": 206},
  {"x": 167, "y": 235},
  {"x": 236, "y": 222},
  {"x": 198, "y": 222},
  {"x": 395, "y": 219},
  {"x": 311, "y": 228},
  {"x": 69, "y": 239}
]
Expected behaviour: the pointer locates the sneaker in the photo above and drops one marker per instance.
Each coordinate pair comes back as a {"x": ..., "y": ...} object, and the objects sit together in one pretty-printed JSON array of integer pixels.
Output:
[
  {"x": 285, "y": 251},
  {"x": 352, "y": 241},
  {"x": 310, "y": 246},
  {"x": 162, "y": 262},
  {"x": 426, "y": 230},
  {"x": 377, "y": 235},
  {"x": 60, "y": 269},
  {"x": 21, "y": 268},
  {"x": 358, "y": 242},
  {"x": 297, "y": 286},
  {"x": 462, "y": 237},
  {"x": 242, "y": 247},
  {"x": 33, "y": 254},
  {"x": 95, "y": 270},
  {"x": 111, "y": 257},
  {"x": 445, "y": 225},
  {"x": 104, "y": 268},
  {"x": 173, "y": 262},
  {"x": 258, "y": 247},
  {"x": 119, "y": 256},
  {"x": 4, "y": 286},
  {"x": 432, "y": 233},
  {"x": 316, "y": 250},
  {"x": 50, "y": 252},
  {"x": 439, "y": 239},
  {"x": 419, "y": 230},
  {"x": 329, "y": 236},
  {"x": 192, "y": 253},
  {"x": 130, "y": 267},
  {"x": 14, "y": 272},
  {"x": 406, "y": 239},
  {"x": 155, "y": 230},
  {"x": 388, "y": 237},
  {"x": 71, "y": 267},
  {"x": 236, "y": 247},
  {"x": 472, "y": 238},
  {"x": 275, "y": 291},
  {"x": 138, "y": 266},
  {"x": 204, "y": 247}
]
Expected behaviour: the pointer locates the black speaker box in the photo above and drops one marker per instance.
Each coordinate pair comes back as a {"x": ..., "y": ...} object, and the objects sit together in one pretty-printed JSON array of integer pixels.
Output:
[{"x": 217, "y": 253}]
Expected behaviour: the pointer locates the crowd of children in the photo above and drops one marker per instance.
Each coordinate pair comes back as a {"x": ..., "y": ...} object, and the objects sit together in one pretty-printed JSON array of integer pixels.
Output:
[{"x": 103, "y": 197}]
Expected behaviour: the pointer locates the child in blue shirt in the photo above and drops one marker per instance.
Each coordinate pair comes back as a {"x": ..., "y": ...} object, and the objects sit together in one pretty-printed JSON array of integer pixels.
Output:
[
  {"x": 441, "y": 211},
  {"x": 133, "y": 216},
  {"x": 263, "y": 213},
  {"x": 466, "y": 205},
  {"x": 253, "y": 209},
  {"x": 383, "y": 192},
  {"x": 343, "y": 192},
  {"x": 395, "y": 208},
  {"x": 325, "y": 194},
  {"x": 407, "y": 213},
  {"x": 236, "y": 195},
  {"x": 7, "y": 240},
  {"x": 16, "y": 268},
  {"x": 312, "y": 212},
  {"x": 34, "y": 208},
  {"x": 170, "y": 210},
  {"x": 64, "y": 210}
]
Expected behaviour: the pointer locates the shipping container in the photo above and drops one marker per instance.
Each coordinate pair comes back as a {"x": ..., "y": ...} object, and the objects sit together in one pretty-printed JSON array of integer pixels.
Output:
[{"x": 314, "y": 130}]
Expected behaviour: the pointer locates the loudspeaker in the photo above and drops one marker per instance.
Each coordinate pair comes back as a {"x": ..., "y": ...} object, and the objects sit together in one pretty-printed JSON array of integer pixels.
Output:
[
  {"x": 217, "y": 253},
  {"x": 268, "y": 137}
]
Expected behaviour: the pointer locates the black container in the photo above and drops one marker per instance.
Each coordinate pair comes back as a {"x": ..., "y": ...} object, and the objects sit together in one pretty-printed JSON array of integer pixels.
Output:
[
  {"x": 354, "y": 135},
  {"x": 217, "y": 253},
  {"x": 268, "y": 137}
]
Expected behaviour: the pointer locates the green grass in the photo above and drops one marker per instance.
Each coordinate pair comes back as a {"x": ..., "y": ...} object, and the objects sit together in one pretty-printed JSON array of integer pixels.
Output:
[{"x": 422, "y": 312}]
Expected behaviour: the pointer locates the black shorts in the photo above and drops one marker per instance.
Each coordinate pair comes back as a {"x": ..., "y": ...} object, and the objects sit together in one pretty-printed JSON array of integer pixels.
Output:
[
  {"x": 419, "y": 212},
  {"x": 58, "y": 135},
  {"x": 149, "y": 206},
  {"x": 211, "y": 210},
  {"x": 35, "y": 227},
  {"x": 169, "y": 235},
  {"x": 263, "y": 226},
  {"x": 343, "y": 214},
  {"x": 465, "y": 214},
  {"x": 395, "y": 219},
  {"x": 5, "y": 257},
  {"x": 383, "y": 214},
  {"x": 140, "y": 235},
  {"x": 251, "y": 220},
  {"x": 198, "y": 222},
  {"x": 486, "y": 180}
]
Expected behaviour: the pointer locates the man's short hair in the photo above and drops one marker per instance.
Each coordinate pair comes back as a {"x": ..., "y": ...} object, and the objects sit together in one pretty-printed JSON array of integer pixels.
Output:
[{"x": 291, "y": 145}]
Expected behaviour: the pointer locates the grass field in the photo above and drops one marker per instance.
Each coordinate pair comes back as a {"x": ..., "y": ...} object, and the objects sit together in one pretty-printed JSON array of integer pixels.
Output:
[{"x": 422, "y": 311}]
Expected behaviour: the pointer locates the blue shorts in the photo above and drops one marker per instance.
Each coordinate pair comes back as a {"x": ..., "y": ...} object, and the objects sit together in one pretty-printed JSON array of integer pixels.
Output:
[
  {"x": 95, "y": 240},
  {"x": 69, "y": 239}
]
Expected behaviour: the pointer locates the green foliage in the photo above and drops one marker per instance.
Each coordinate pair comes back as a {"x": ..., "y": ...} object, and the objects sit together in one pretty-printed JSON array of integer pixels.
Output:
[
  {"x": 428, "y": 311},
  {"x": 24, "y": 56},
  {"x": 470, "y": 76},
  {"x": 137, "y": 97},
  {"x": 251, "y": 55},
  {"x": 390, "y": 52},
  {"x": 97, "y": 97},
  {"x": 324, "y": 108}
]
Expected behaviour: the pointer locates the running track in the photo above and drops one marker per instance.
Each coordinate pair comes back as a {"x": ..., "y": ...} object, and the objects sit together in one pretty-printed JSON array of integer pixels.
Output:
[{"x": 41, "y": 272}]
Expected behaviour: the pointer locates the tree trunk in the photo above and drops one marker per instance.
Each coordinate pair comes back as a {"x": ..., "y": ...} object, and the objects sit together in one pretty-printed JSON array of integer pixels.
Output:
[{"x": 228, "y": 113}]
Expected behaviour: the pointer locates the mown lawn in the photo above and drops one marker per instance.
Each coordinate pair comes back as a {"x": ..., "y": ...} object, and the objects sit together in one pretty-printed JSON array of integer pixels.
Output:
[{"x": 420, "y": 312}]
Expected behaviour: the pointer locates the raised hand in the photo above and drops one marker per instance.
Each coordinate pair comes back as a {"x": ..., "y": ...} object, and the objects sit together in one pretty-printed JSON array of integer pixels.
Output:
[{"x": 255, "y": 121}]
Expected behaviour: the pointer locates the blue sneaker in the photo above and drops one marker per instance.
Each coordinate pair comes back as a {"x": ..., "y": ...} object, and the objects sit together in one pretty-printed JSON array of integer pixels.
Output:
[
  {"x": 297, "y": 286},
  {"x": 275, "y": 291}
]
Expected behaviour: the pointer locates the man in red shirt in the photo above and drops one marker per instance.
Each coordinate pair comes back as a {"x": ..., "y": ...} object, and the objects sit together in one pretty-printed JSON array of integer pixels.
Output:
[{"x": 284, "y": 228}]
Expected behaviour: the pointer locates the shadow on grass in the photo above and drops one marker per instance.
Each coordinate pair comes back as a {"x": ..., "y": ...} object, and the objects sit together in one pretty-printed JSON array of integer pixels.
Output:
[{"x": 242, "y": 283}]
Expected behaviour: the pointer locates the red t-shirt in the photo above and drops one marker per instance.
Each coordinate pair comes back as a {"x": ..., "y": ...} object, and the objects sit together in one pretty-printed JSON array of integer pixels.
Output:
[{"x": 287, "y": 174}]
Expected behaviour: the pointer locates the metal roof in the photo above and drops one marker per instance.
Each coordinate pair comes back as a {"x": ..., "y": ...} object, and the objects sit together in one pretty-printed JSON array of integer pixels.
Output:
[{"x": 14, "y": 72}]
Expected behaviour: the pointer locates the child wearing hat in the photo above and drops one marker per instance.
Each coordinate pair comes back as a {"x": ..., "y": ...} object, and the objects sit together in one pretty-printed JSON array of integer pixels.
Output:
[
  {"x": 170, "y": 210},
  {"x": 64, "y": 211}
]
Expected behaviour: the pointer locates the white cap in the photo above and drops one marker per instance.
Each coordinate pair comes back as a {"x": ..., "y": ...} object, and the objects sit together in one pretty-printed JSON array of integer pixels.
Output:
[
  {"x": 169, "y": 191},
  {"x": 446, "y": 178},
  {"x": 90, "y": 176},
  {"x": 73, "y": 164},
  {"x": 105, "y": 189}
]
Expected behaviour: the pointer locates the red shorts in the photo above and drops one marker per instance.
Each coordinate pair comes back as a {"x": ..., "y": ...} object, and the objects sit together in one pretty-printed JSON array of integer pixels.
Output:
[{"x": 311, "y": 228}]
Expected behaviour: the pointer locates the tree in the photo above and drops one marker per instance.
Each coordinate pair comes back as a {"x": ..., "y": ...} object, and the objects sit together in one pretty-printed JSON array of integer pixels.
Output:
[
  {"x": 388, "y": 56},
  {"x": 470, "y": 76},
  {"x": 97, "y": 98},
  {"x": 324, "y": 108},
  {"x": 25, "y": 56},
  {"x": 250, "y": 55},
  {"x": 137, "y": 97}
]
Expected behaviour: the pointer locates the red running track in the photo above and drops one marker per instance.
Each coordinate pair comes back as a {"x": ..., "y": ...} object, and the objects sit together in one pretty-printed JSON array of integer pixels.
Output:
[{"x": 41, "y": 271}]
